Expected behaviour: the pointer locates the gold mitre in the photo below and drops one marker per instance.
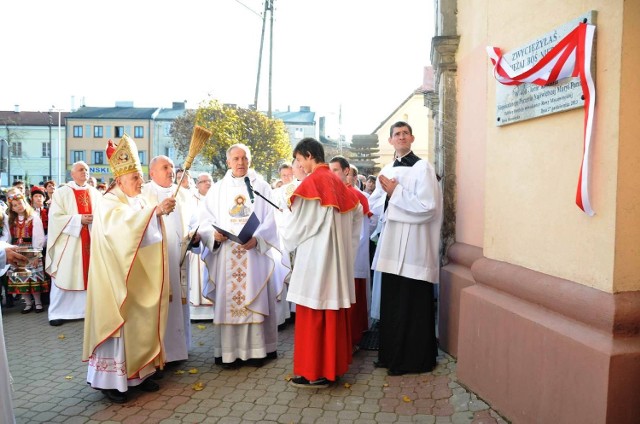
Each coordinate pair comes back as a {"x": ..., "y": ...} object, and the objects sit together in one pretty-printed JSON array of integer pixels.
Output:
[{"x": 123, "y": 158}]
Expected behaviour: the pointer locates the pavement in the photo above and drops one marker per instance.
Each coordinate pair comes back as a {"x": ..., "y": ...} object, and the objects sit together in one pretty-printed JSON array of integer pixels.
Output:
[{"x": 50, "y": 386}]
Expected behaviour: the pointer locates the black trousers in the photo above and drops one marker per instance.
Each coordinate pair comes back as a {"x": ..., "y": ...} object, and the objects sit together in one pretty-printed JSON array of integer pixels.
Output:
[{"x": 407, "y": 324}]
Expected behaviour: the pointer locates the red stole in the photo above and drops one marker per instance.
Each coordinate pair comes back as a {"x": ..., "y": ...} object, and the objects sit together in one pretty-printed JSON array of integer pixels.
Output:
[{"x": 83, "y": 202}]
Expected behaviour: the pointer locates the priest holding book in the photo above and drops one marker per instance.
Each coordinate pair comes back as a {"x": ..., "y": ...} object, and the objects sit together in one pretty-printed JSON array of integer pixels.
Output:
[{"x": 241, "y": 284}]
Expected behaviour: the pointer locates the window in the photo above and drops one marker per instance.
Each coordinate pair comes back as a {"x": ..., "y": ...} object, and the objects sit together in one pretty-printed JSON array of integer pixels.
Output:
[
  {"x": 138, "y": 132},
  {"x": 142, "y": 156},
  {"x": 77, "y": 155},
  {"x": 98, "y": 157},
  {"x": 299, "y": 133},
  {"x": 167, "y": 129},
  {"x": 16, "y": 149},
  {"x": 46, "y": 149},
  {"x": 46, "y": 177},
  {"x": 77, "y": 131},
  {"x": 119, "y": 131},
  {"x": 98, "y": 131}
]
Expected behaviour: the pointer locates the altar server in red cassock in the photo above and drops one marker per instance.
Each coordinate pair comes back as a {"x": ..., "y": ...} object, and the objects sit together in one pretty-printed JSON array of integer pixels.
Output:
[{"x": 323, "y": 228}]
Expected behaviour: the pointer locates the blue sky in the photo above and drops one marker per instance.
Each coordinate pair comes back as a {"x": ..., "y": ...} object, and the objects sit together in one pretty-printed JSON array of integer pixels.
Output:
[{"x": 364, "y": 55}]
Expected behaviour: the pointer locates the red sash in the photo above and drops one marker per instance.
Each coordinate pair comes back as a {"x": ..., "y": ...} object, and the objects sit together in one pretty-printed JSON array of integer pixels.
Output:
[{"x": 83, "y": 202}]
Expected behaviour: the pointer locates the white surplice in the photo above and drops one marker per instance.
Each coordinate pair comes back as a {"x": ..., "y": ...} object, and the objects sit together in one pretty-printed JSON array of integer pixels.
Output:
[{"x": 200, "y": 307}]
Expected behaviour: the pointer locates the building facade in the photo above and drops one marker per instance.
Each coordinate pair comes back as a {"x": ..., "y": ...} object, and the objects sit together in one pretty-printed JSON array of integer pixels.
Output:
[
  {"x": 300, "y": 124},
  {"x": 31, "y": 146},
  {"x": 539, "y": 301},
  {"x": 90, "y": 128}
]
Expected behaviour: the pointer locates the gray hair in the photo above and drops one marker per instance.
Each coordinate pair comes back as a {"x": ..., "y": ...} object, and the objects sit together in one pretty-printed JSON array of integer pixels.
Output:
[
  {"x": 239, "y": 146},
  {"x": 80, "y": 162}
]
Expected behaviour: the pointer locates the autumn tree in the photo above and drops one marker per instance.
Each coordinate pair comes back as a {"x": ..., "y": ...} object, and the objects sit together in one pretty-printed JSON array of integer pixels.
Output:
[{"x": 267, "y": 138}]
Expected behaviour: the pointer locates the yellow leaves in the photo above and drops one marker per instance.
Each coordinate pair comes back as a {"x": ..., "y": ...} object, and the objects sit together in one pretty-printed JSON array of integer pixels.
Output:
[
  {"x": 193, "y": 371},
  {"x": 68, "y": 377},
  {"x": 288, "y": 377},
  {"x": 201, "y": 327},
  {"x": 198, "y": 386},
  {"x": 406, "y": 398},
  {"x": 179, "y": 372},
  {"x": 347, "y": 385},
  {"x": 385, "y": 385},
  {"x": 61, "y": 336},
  {"x": 200, "y": 343}
]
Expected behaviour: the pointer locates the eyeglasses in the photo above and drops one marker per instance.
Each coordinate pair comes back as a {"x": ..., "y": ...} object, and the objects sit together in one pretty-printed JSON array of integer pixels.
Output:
[{"x": 205, "y": 181}]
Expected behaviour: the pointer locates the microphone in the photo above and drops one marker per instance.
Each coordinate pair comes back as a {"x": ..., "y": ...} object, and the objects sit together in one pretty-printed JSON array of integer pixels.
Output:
[{"x": 249, "y": 188}]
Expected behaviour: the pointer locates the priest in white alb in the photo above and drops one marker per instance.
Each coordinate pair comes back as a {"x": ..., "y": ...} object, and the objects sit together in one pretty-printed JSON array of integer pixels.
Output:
[
  {"x": 200, "y": 307},
  {"x": 240, "y": 275},
  {"x": 177, "y": 227},
  {"x": 68, "y": 245}
]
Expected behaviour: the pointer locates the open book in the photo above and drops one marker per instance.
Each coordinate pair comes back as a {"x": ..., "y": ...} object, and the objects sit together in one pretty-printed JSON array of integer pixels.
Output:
[{"x": 246, "y": 233}]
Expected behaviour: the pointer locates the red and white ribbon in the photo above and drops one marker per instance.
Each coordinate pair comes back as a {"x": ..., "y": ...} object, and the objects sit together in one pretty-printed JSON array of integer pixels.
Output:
[{"x": 571, "y": 57}]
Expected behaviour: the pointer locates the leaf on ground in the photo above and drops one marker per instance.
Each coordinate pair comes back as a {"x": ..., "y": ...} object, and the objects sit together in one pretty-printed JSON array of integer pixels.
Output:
[
  {"x": 68, "y": 377},
  {"x": 61, "y": 336},
  {"x": 288, "y": 377},
  {"x": 200, "y": 343},
  {"x": 201, "y": 327},
  {"x": 347, "y": 385},
  {"x": 179, "y": 372},
  {"x": 198, "y": 386},
  {"x": 193, "y": 371},
  {"x": 406, "y": 398}
]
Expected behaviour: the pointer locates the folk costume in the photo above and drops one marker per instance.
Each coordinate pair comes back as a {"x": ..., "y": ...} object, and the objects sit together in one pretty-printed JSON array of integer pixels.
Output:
[
  {"x": 28, "y": 232},
  {"x": 407, "y": 255},
  {"x": 323, "y": 229},
  {"x": 128, "y": 288},
  {"x": 241, "y": 283},
  {"x": 200, "y": 308},
  {"x": 68, "y": 249},
  {"x": 176, "y": 225}
]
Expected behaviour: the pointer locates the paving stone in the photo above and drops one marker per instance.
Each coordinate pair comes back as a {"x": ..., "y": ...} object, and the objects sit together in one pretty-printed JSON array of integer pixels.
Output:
[{"x": 40, "y": 362}]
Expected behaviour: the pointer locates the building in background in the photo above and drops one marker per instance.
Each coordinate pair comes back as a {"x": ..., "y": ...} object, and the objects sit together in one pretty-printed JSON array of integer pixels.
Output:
[
  {"x": 90, "y": 128},
  {"x": 300, "y": 124},
  {"x": 32, "y": 140}
]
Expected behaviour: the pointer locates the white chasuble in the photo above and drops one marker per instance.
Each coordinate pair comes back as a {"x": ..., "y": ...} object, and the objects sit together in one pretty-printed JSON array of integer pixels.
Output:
[{"x": 238, "y": 278}]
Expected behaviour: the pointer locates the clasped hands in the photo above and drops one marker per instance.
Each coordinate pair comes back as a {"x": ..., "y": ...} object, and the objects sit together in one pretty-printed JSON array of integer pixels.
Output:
[{"x": 388, "y": 184}]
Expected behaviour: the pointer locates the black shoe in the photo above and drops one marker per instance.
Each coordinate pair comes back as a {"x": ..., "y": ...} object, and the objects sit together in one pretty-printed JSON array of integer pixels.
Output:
[
  {"x": 255, "y": 362},
  {"x": 27, "y": 309},
  {"x": 231, "y": 365},
  {"x": 303, "y": 383},
  {"x": 115, "y": 396},
  {"x": 272, "y": 355},
  {"x": 158, "y": 375},
  {"x": 379, "y": 364},
  {"x": 393, "y": 372},
  {"x": 40, "y": 309},
  {"x": 55, "y": 322},
  {"x": 149, "y": 385}
]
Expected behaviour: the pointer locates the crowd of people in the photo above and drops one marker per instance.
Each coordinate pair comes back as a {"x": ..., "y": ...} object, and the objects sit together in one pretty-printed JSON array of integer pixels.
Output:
[{"x": 323, "y": 247}]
